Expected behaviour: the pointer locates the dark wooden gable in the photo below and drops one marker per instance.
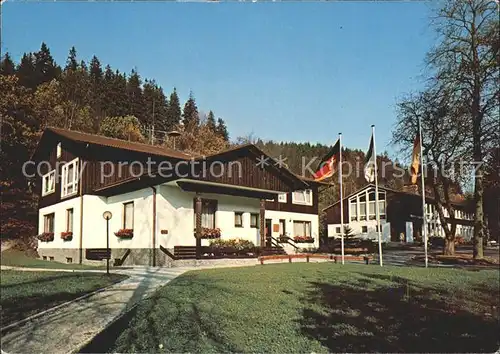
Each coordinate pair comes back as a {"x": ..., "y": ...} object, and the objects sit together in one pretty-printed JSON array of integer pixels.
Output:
[{"x": 241, "y": 168}]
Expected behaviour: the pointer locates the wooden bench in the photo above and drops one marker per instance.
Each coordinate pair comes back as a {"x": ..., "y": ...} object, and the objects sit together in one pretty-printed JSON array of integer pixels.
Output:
[
  {"x": 294, "y": 256},
  {"x": 366, "y": 259}
]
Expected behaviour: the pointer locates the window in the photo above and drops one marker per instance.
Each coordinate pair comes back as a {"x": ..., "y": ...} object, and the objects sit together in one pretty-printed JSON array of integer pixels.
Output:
[
  {"x": 208, "y": 209},
  {"x": 282, "y": 227},
  {"x": 282, "y": 198},
  {"x": 69, "y": 220},
  {"x": 302, "y": 197},
  {"x": 364, "y": 229},
  {"x": 59, "y": 150},
  {"x": 302, "y": 228},
  {"x": 372, "y": 210},
  {"x": 128, "y": 215},
  {"x": 362, "y": 211},
  {"x": 337, "y": 230},
  {"x": 353, "y": 209},
  {"x": 69, "y": 260},
  {"x": 238, "y": 219},
  {"x": 69, "y": 178},
  {"x": 48, "y": 222},
  {"x": 254, "y": 220},
  {"x": 48, "y": 183}
]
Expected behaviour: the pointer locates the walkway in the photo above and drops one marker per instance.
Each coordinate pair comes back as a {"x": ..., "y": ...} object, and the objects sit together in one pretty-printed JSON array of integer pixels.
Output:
[{"x": 67, "y": 329}]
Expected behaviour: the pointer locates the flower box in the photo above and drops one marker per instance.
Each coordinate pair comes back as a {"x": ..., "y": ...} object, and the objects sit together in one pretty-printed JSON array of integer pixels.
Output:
[
  {"x": 303, "y": 239},
  {"x": 46, "y": 237},
  {"x": 210, "y": 234},
  {"x": 125, "y": 233},
  {"x": 67, "y": 236}
]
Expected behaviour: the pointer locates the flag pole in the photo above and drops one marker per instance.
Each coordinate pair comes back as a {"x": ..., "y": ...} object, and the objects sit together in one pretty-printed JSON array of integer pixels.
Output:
[
  {"x": 424, "y": 223},
  {"x": 377, "y": 206},
  {"x": 341, "y": 199}
]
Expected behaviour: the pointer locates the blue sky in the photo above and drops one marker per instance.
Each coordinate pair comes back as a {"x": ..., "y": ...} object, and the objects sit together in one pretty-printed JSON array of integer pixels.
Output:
[{"x": 283, "y": 71}]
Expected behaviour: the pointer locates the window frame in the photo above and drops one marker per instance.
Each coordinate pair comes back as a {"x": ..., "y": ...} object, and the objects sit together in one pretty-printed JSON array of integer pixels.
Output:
[
  {"x": 240, "y": 213},
  {"x": 74, "y": 183},
  {"x": 46, "y": 218},
  {"x": 124, "y": 218},
  {"x": 305, "y": 192},
  {"x": 45, "y": 179},
  {"x": 70, "y": 212},
  {"x": 257, "y": 221},
  {"x": 304, "y": 223},
  {"x": 282, "y": 198}
]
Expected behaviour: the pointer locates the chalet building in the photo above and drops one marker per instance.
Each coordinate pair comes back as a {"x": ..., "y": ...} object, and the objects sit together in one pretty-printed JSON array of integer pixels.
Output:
[
  {"x": 400, "y": 215},
  {"x": 82, "y": 175}
]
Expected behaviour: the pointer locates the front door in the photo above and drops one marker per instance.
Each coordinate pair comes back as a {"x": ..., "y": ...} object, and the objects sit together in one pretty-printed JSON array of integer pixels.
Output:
[{"x": 268, "y": 232}]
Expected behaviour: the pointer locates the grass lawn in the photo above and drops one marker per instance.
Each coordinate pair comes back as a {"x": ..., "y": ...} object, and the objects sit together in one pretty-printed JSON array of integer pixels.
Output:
[
  {"x": 16, "y": 258},
  {"x": 322, "y": 307},
  {"x": 25, "y": 293}
]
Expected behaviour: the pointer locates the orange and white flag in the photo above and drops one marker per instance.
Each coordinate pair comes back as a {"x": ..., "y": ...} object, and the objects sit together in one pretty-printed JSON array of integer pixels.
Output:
[{"x": 415, "y": 157}]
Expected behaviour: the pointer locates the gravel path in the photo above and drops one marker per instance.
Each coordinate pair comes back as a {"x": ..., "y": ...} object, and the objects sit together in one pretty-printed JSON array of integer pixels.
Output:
[{"x": 67, "y": 329}]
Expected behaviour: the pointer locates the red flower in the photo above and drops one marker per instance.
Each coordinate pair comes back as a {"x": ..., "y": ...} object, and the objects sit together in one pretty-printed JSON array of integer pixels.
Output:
[
  {"x": 46, "y": 236},
  {"x": 303, "y": 239},
  {"x": 125, "y": 233},
  {"x": 209, "y": 234},
  {"x": 67, "y": 236}
]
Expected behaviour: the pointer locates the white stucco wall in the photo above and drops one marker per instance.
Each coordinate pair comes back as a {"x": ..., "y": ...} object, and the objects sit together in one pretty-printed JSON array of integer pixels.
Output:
[
  {"x": 289, "y": 218},
  {"x": 174, "y": 214},
  {"x": 356, "y": 227},
  {"x": 59, "y": 211}
]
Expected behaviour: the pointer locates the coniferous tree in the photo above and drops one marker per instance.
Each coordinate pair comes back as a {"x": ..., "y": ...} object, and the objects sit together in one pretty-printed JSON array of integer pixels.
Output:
[
  {"x": 211, "y": 121},
  {"x": 174, "y": 111},
  {"x": 45, "y": 67},
  {"x": 7, "y": 66},
  {"x": 135, "y": 97},
  {"x": 222, "y": 129},
  {"x": 97, "y": 90},
  {"x": 71, "y": 63},
  {"x": 26, "y": 71},
  {"x": 190, "y": 116}
]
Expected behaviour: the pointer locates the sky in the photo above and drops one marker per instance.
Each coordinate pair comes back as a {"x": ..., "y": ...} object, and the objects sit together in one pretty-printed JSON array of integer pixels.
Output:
[{"x": 296, "y": 71}]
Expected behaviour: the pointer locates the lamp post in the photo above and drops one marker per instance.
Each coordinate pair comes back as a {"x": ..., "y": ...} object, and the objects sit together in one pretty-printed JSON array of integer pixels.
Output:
[{"x": 107, "y": 216}]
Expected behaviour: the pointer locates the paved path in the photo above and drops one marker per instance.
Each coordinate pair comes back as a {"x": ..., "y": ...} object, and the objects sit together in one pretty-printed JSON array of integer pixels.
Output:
[{"x": 67, "y": 329}]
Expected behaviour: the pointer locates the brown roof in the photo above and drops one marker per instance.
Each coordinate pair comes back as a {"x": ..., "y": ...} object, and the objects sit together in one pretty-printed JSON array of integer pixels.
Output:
[{"x": 120, "y": 144}]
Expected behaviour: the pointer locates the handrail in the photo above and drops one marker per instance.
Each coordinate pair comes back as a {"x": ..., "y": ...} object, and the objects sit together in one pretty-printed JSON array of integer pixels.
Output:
[
  {"x": 167, "y": 252},
  {"x": 287, "y": 242}
]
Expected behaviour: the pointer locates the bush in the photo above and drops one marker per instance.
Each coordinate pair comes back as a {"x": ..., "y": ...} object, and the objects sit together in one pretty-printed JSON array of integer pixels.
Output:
[{"x": 235, "y": 244}]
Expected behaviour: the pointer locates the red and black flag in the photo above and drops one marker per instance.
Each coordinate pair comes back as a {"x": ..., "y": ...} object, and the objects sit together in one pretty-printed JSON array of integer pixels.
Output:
[{"x": 329, "y": 163}]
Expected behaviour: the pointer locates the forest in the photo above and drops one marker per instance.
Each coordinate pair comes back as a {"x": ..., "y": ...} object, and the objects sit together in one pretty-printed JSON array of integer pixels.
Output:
[{"x": 89, "y": 97}]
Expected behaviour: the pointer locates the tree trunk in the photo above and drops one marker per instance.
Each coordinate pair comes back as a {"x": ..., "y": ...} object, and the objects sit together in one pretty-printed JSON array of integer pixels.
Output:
[
  {"x": 449, "y": 247},
  {"x": 478, "y": 193}
]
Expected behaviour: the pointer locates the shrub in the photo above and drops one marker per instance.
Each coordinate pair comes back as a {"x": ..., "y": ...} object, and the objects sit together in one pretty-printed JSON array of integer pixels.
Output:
[{"x": 236, "y": 244}]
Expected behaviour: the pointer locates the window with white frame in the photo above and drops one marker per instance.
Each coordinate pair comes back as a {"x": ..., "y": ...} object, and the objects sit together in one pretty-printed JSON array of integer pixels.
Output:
[
  {"x": 49, "y": 183},
  {"x": 69, "y": 185},
  {"x": 282, "y": 198},
  {"x": 128, "y": 215},
  {"x": 48, "y": 222},
  {"x": 302, "y": 228},
  {"x": 69, "y": 220},
  {"x": 302, "y": 197},
  {"x": 363, "y": 205}
]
